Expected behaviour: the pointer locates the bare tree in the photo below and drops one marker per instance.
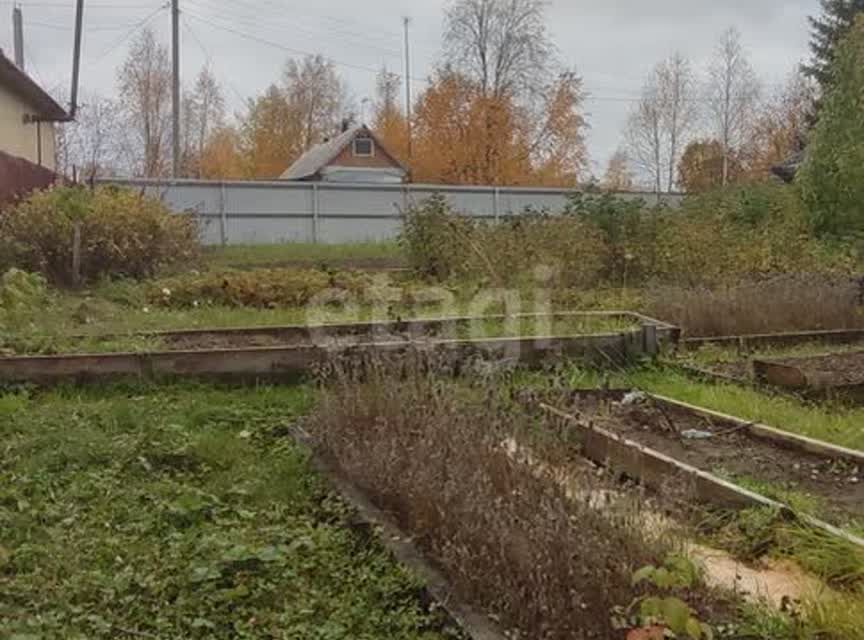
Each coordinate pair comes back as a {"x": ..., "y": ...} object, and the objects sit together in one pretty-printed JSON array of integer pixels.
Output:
[
  {"x": 144, "y": 83},
  {"x": 388, "y": 86},
  {"x": 645, "y": 134},
  {"x": 204, "y": 113},
  {"x": 318, "y": 97},
  {"x": 88, "y": 146},
  {"x": 677, "y": 87},
  {"x": 618, "y": 175},
  {"x": 502, "y": 45},
  {"x": 732, "y": 95},
  {"x": 662, "y": 120}
]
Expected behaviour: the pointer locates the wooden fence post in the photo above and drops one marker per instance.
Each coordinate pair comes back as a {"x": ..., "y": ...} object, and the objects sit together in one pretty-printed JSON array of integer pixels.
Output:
[{"x": 76, "y": 254}]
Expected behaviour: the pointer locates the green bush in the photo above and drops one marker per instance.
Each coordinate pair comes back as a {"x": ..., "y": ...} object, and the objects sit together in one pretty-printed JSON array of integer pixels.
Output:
[
  {"x": 832, "y": 178},
  {"x": 442, "y": 244},
  {"x": 123, "y": 233},
  {"x": 725, "y": 236},
  {"x": 427, "y": 236}
]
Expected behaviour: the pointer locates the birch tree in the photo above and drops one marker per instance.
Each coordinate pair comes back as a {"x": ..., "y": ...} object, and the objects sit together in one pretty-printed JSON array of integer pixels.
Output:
[
  {"x": 144, "y": 83},
  {"x": 677, "y": 87},
  {"x": 662, "y": 121},
  {"x": 732, "y": 96}
]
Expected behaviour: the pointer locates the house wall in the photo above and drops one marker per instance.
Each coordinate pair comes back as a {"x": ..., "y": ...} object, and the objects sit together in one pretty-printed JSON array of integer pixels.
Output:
[
  {"x": 19, "y": 139},
  {"x": 379, "y": 161}
]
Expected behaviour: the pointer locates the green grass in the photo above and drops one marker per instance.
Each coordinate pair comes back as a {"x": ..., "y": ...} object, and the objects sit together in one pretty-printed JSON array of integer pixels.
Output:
[
  {"x": 181, "y": 512},
  {"x": 832, "y": 423},
  {"x": 79, "y": 321},
  {"x": 387, "y": 254}
]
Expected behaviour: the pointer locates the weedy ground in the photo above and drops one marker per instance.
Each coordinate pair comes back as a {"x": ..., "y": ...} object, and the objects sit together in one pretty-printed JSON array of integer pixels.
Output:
[
  {"x": 361, "y": 254},
  {"x": 182, "y": 512}
]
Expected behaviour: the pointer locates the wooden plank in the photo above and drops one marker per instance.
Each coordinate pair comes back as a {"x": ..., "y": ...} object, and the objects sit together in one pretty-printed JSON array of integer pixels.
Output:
[
  {"x": 400, "y": 545},
  {"x": 654, "y": 470},
  {"x": 413, "y": 327},
  {"x": 781, "y": 375},
  {"x": 276, "y": 362},
  {"x": 784, "y": 438},
  {"x": 755, "y": 341}
]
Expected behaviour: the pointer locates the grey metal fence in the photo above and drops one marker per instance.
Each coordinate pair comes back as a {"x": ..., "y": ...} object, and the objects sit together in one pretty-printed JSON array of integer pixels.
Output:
[{"x": 256, "y": 212}]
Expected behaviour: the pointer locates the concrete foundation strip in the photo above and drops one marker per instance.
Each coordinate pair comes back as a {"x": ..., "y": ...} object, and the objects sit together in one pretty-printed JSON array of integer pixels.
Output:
[
  {"x": 653, "y": 468},
  {"x": 473, "y": 623}
]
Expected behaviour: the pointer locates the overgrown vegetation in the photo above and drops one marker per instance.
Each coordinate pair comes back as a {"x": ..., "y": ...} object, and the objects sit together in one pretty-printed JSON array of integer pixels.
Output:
[
  {"x": 602, "y": 241},
  {"x": 122, "y": 234},
  {"x": 448, "y": 463},
  {"x": 182, "y": 512},
  {"x": 790, "y": 302}
]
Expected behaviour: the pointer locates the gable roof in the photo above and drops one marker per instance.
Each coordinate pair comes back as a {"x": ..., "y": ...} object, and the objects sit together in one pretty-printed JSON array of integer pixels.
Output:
[
  {"x": 19, "y": 83},
  {"x": 323, "y": 154}
]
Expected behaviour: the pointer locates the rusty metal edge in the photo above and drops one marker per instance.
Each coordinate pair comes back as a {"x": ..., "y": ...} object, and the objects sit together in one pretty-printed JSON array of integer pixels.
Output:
[
  {"x": 607, "y": 448},
  {"x": 772, "y": 434},
  {"x": 476, "y": 625}
]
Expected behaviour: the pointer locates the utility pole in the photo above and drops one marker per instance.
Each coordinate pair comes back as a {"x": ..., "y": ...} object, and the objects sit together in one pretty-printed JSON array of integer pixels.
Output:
[
  {"x": 18, "y": 36},
  {"x": 175, "y": 89},
  {"x": 408, "y": 107},
  {"x": 76, "y": 59}
]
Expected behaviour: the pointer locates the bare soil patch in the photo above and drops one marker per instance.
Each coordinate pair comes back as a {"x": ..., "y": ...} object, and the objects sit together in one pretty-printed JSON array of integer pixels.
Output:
[
  {"x": 836, "y": 369},
  {"x": 729, "y": 451}
]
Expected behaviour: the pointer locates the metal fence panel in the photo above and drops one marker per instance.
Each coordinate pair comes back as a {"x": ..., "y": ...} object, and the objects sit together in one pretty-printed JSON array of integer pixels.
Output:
[{"x": 259, "y": 212}]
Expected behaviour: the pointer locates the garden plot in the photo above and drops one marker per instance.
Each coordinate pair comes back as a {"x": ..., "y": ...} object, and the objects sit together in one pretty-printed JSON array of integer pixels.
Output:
[
  {"x": 816, "y": 370},
  {"x": 744, "y": 453},
  {"x": 562, "y": 536},
  {"x": 548, "y": 325},
  {"x": 293, "y": 351}
]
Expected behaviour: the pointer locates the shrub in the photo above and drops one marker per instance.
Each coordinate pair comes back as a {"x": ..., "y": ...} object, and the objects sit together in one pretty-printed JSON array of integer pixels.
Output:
[
  {"x": 723, "y": 237},
  {"x": 442, "y": 244},
  {"x": 832, "y": 178},
  {"x": 123, "y": 233},
  {"x": 429, "y": 231}
]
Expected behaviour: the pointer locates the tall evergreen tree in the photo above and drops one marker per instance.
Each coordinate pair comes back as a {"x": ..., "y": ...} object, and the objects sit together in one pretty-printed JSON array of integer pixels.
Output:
[
  {"x": 832, "y": 178},
  {"x": 828, "y": 30}
]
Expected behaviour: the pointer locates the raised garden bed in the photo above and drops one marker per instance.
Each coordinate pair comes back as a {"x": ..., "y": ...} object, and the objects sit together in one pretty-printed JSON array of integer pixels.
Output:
[
  {"x": 341, "y": 334},
  {"x": 814, "y": 370},
  {"x": 655, "y": 439},
  {"x": 302, "y": 349}
]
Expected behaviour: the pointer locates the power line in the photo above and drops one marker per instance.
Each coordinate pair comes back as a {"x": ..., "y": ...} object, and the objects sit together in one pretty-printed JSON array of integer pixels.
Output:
[
  {"x": 208, "y": 56},
  {"x": 139, "y": 25},
  {"x": 60, "y": 27},
  {"x": 67, "y": 5},
  {"x": 254, "y": 22},
  {"x": 282, "y": 47}
]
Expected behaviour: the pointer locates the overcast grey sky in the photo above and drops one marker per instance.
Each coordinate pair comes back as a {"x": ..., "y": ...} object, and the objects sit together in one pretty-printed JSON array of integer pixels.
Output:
[{"x": 613, "y": 44}]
